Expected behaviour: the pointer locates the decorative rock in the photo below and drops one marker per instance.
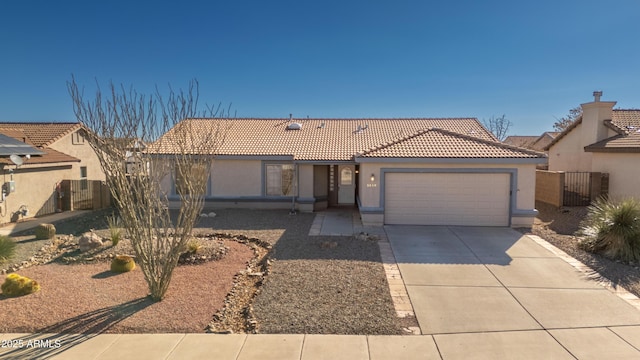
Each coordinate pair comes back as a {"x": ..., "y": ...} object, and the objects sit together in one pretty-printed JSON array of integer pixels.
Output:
[{"x": 89, "y": 241}]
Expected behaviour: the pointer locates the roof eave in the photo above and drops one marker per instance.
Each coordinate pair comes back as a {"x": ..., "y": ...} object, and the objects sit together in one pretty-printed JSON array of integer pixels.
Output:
[
  {"x": 536, "y": 160},
  {"x": 612, "y": 149}
]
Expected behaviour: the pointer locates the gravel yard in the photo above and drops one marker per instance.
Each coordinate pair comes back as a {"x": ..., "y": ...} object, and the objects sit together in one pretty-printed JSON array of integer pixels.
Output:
[
  {"x": 330, "y": 285},
  {"x": 89, "y": 298},
  {"x": 317, "y": 285},
  {"x": 327, "y": 285},
  {"x": 558, "y": 226},
  {"x": 28, "y": 245}
]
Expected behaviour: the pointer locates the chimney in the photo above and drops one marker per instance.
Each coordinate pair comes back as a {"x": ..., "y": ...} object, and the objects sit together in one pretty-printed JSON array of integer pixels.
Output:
[
  {"x": 593, "y": 116},
  {"x": 290, "y": 117},
  {"x": 596, "y": 96}
]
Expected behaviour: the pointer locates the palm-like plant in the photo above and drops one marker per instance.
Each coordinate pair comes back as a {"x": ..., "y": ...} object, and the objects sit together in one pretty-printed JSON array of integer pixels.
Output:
[
  {"x": 613, "y": 229},
  {"x": 7, "y": 248}
]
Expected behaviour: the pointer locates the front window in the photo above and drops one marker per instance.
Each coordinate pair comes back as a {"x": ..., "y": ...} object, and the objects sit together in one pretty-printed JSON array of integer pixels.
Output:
[{"x": 279, "y": 180}]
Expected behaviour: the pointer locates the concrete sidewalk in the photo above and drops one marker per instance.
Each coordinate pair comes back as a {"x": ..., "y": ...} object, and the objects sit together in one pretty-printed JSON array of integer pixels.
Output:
[
  {"x": 30, "y": 223},
  {"x": 210, "y": 346},
  {"x": 586, "y": 343}
]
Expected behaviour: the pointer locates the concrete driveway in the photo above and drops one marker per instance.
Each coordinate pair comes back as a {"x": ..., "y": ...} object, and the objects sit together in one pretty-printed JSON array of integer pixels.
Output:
[{"x": 476, "y": 288}]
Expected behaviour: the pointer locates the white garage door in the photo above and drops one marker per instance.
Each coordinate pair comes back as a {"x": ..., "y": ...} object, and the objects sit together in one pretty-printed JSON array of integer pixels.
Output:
[{"x": 447, "y": 199}]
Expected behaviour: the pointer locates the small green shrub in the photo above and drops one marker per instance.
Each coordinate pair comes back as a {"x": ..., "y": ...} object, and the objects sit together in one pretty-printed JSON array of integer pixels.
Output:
[
  {"x": 193, "y": 247},
  {"x": 16, "y": 285},
  {"x": 613, "y": 229},
  {"x": 115, "y": 231},
  {"x": 45, "y": 231},
  {"x": 7, "y": 248},
  {"x": 122, "y": 263}
]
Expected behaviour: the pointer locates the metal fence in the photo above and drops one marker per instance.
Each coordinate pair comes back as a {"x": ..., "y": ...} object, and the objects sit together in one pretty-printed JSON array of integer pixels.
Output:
[
  {"x": 85, "y": 195},
  {"x": 577, "y": 189},
  {"x": 581, "y": 188}
]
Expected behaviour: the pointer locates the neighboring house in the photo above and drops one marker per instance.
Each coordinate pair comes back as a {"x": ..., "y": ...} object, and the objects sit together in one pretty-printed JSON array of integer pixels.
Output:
[
  {"x": 62, "y": 154},
  {"x": 544, "y": 140},
  {"x": 538, "y": 143},
  {"x": 397, "y": 171},
  {"x": 603, "y": 140},
  {"x": 520, "y": 141}
]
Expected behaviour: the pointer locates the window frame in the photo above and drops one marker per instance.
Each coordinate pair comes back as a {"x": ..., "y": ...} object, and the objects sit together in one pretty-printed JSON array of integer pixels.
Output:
[
  {"x": 268, "y": 188},
  {"x": 84, "y": 182}
]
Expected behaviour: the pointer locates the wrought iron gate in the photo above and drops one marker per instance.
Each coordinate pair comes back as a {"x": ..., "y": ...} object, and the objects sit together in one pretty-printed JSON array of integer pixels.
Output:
[{"x": 581, "y": 188}]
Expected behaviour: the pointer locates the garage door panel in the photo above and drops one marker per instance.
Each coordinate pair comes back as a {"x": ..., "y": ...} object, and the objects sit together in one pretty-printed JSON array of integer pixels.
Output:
[{"x": 447, "y": 199}]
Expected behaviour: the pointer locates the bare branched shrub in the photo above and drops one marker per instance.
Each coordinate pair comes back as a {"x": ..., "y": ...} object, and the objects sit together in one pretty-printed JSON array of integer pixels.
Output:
[{"x": 143, "y": 142}]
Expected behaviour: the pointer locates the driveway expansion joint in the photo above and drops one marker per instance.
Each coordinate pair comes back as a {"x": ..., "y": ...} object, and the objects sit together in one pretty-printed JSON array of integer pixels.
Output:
[{"x": 617, "y": 290}]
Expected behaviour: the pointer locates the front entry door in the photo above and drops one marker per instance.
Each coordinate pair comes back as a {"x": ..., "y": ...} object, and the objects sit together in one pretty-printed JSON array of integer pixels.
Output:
[{"x": 346, "y": 184}]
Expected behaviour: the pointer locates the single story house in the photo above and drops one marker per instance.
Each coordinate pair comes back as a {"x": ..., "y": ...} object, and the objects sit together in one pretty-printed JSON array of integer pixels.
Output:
[
  {"x": 523, "y": 141},
  {"x": 59, "y": 152},
  {"x": 396, "y": 171},
  {"x": 538, "y": 143},
  {"x": 605, "y": 140},
  {"x": 544, "y": 140}
]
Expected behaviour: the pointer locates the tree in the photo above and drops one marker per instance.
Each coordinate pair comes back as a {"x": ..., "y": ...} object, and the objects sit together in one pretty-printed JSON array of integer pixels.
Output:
[
  {"x": 118, "y": 125},
  {"x": 499, "y": 126},
  {"x": 564, "y": 122}
]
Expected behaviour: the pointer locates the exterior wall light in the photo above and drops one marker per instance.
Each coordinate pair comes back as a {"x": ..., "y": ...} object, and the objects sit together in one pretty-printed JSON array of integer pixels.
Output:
[{"x": 373, "y": 177}]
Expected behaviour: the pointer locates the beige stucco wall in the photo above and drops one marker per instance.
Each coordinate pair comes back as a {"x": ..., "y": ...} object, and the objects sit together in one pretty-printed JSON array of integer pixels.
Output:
[
  {"x": 550, "y": 187},
  {"x": 568, "y": 153},
  {"x": 82, "y": 151},
  {"x": 624, "y": 172},
  {"x": 525, "y": 197},
  {"x": 35, "y": 187},
  {"x": 236, "y": 178},
  {"x": 305, "y": 180}
]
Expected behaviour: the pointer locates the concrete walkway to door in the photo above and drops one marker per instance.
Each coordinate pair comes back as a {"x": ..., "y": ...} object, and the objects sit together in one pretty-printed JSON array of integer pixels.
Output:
[{"x": 492, "y": 291}]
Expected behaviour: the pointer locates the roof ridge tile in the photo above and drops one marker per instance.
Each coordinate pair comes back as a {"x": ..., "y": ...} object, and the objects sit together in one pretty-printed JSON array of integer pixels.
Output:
[{"x": 495, "y": 143}]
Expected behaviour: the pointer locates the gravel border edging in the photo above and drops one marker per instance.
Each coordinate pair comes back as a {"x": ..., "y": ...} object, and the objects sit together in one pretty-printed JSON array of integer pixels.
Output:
[{"x": 236, "y": 315}]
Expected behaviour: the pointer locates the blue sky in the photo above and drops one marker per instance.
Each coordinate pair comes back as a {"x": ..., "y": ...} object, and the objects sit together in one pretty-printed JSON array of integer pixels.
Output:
[{"x": 530, "y": 60}]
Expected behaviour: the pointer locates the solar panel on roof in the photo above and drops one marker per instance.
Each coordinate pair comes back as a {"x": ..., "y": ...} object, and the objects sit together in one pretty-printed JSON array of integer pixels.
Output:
[{"x": 10, "y": 146}]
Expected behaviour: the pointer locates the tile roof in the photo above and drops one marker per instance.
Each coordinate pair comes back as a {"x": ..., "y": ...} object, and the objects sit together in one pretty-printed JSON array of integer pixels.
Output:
[
  {"x": 619, "y": 143},
  {"x": 626, "y": 117},
  {"x": 520, "y": 141},
  {"x": 40, "y": 134},
  {"x": 622, "y": 121},
  {"x": 10, "y": 146},
  {"x": 334, "y": 139},
  {"x": 543, "y": 140},
  {"x": 438, "y": 143},
  {"x": 50, "y": 156}
]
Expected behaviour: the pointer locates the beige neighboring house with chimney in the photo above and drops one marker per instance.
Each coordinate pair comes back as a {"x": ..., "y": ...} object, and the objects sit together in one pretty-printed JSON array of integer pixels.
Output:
[
  {"x": 58, "y": 151},
  {"x": 604, "y": 140}
]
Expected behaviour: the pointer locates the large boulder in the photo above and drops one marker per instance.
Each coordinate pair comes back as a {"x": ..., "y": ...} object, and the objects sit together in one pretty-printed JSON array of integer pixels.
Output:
[{"x": 89, "y": 241}]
